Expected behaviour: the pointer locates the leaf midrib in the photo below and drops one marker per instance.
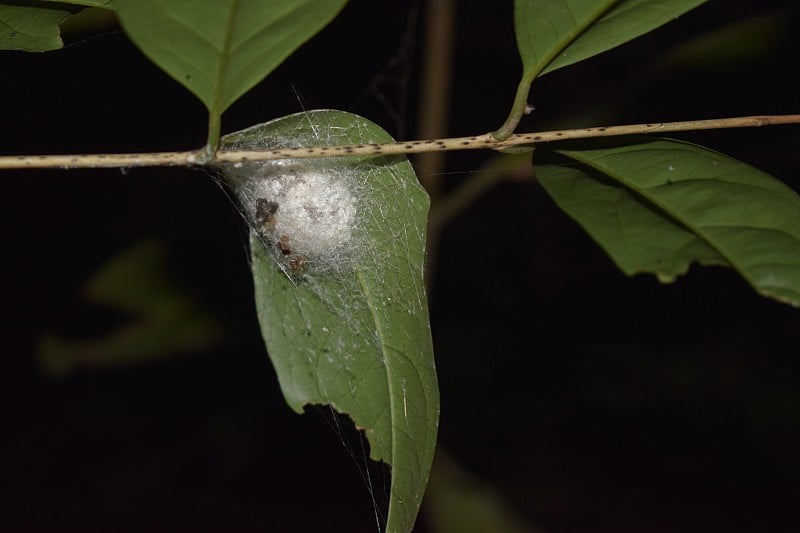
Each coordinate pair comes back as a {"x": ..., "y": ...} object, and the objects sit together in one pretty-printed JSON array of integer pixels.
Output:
[
  {"x": 681, "y": 220},
  {"x": 569, "y": 38},
  {"x": 386, "y": 366},
  {"x": 218, "y": 105}
]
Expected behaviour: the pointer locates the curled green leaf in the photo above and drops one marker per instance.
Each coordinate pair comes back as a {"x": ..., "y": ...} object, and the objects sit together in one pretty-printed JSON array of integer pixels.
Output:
[
  {"x": 658, "y": 205},
  {"x": 338, "y": 257}
]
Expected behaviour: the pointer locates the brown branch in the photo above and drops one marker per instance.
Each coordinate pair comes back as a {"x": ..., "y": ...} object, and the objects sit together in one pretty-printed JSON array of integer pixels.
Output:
[{"x": 478, "y": 142}]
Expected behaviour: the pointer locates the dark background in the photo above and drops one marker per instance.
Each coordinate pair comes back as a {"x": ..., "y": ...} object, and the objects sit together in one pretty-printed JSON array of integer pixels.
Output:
[{"x": 590, "y": 401}]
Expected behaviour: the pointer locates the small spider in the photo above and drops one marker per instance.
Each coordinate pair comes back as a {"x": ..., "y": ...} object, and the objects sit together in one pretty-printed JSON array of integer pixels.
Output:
[
  {"x": 265, "y": 212},
  {"x": 283, "y": 245},
  {"x": 297, "y": 264}
]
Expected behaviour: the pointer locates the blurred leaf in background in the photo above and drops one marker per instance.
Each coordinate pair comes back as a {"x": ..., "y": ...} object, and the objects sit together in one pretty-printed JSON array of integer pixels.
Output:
[
  {"x": 164, "y": 320},
  {"x": 459, "y": 501},
  {"x": 745, "y": 40}
]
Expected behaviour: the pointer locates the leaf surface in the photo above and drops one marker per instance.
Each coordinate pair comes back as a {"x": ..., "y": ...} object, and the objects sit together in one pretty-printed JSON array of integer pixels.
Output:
[
  {"x": 32, "y": 29},
  {"x": 625, "y": 21},
  {"x": 219, "y": 50},
  {"x": 31, "y": 26},
  {"x": 555, "y": 33},
  {"x": 545, "y": 28},
  {"x": 358, "y": 339},
  {"x": 658, "y": 205}
]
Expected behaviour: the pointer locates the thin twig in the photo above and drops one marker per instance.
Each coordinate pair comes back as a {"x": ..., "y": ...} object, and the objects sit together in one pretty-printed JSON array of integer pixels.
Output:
[
  {"x": 516, "y": 167},
  {"x": 149, "y": 159},
  {"x": 478, "y": 142}
]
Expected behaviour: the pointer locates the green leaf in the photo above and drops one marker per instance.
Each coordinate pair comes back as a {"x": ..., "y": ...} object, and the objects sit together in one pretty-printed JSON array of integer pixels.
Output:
[
  {"x": 460, "y": 501},
  {"x": 627, "y": 20},
  {"x": 32, "y": 29},
  {"x": 658, "y": 205},
  {"x": 219, "y": 50},
  {"x": 545, "y": 28},
  {"x": 555, "y": 33},
  {"x": 354, "y": 335},
  {"x": 165, "y": 318},
  {"x": 31, "y": 26}
]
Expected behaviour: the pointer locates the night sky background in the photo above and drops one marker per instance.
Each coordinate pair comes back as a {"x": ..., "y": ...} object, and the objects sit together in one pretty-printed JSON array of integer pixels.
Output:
[{"x": 588, "y": 401}]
